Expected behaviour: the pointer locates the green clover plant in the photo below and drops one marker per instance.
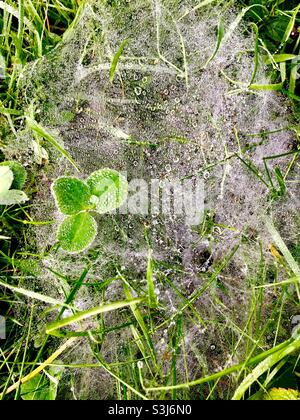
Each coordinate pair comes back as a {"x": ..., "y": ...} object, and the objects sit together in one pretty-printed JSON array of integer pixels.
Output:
[
  {"x": 103, "y": 191},
  {"x": 12, "y": 180}
]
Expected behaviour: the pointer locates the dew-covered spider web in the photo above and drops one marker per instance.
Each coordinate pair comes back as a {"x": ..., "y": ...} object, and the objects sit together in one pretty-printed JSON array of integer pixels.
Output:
[{"x": 171, "y": 110}]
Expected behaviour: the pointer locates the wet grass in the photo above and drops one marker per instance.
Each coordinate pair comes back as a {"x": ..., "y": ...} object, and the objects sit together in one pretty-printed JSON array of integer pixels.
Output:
[{"x": 270, "y": 358}]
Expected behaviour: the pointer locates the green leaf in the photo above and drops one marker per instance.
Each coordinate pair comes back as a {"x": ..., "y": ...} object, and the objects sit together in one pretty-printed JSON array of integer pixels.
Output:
[
  {"x": 54, "y": 374},
  {"x": 282, "y": 394},
  {"x": 12, "y": 197},
  {"x": 109, "y": 189},
  {"x": 6, "y": 179},
  {"x": 77, "y": 232},
  {"x": 43, "y": 387},
  {"x": 72, "y": 195},
  {"x": 19, "y": 174},
  {"x": 36, "y": 389}
]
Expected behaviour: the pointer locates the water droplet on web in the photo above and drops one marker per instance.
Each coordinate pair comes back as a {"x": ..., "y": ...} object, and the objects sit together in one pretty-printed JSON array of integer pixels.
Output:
[
  {"x": 138, "y": 90},
  {"x": 206, "y": 175}
]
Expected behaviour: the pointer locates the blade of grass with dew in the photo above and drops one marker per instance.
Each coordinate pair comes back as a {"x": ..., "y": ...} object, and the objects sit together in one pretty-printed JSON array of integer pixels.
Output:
[
  {"x": 235, "y": 24},
  {"x": 220, "y": 36},
  {"x": 7, "y": 111},
  {"x": 293, "y": 280},
  {"x": 20, "y": 36},
  {"x": 152, "y": 298},
  {"x": 75, "y": 289},
  {"x": 185, "y": 299},
  {"x": 176, "y": 342},
  {"x": 293, "y": 78},
  {"x": 110, "y": 372},
  {"x": 15, "y": 12},
  {"x": 264, "y": 366},
  {"x": 256, "y": 54},
  {"x": 281, "y": 58},
  {"x": 80, "y": 316},
  {"x": 229, "y": 371},
  {"x": 116, "y": 59},
  {"x": 39, "y": 369},
  {"x": 272, "y": 87},
  {"x": 139, "y": 342},
  {"x": 282, "y": 247},
  {"x": 42, "y": 132},
  {"x": 283, "y": 72},
  {"x": 25, "y": 349},
  {"x": 194, "y": 9},
  {"x": 34, "y": 295},
  {"x": 290, "y": 26},
  {"x": 198, "y": 293},
  {"x": 140, "y": 320}
]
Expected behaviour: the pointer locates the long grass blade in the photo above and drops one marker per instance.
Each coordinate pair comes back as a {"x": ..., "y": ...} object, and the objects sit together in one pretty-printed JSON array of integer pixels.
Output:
[{"x": 91, "y": 313}]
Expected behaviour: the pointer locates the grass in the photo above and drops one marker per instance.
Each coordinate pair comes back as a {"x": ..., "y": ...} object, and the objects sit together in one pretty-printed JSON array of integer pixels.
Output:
[{"x": 30, "y": 30}]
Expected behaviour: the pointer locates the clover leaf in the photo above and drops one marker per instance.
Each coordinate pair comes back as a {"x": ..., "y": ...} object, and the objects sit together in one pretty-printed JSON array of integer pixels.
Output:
[
  {"x": 104, "y": 191},
  {"x": 109, "y": 189},
  {"x": 6, "y": 177},
  {"x": 19, "y": 174},
  {"x": 10, "y": 197},
  {"x": 72, "y": 195},
  {"x": 77, "y": 232}
]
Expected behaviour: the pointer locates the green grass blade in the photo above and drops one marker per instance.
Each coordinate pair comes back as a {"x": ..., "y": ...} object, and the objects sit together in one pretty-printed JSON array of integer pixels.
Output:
[
  {"x": 274, "y": 87},
  {"x": 235, "y": 24},
  {"x": 42, "y": 132},
  {"x": 264, "y": 366},
  {"x": 283, "y": 248},
  {"x": 281, "y": 58},
  {"x": 199, "y": 6},
  {"x": 279, "y": 350},
  {"x": 152, "y": 298},
  {"x": 116, "y": 59},
  {"x": 140, "y": 320},
  {"x": 220, "y": 36},
  {"x": 256, "y": 53},
  {"x": 8, "y": 111},
  {"x": 290, "y": 26},
  {"x": 33, "y": 295},
  {"x": 80, "y": 316}
]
